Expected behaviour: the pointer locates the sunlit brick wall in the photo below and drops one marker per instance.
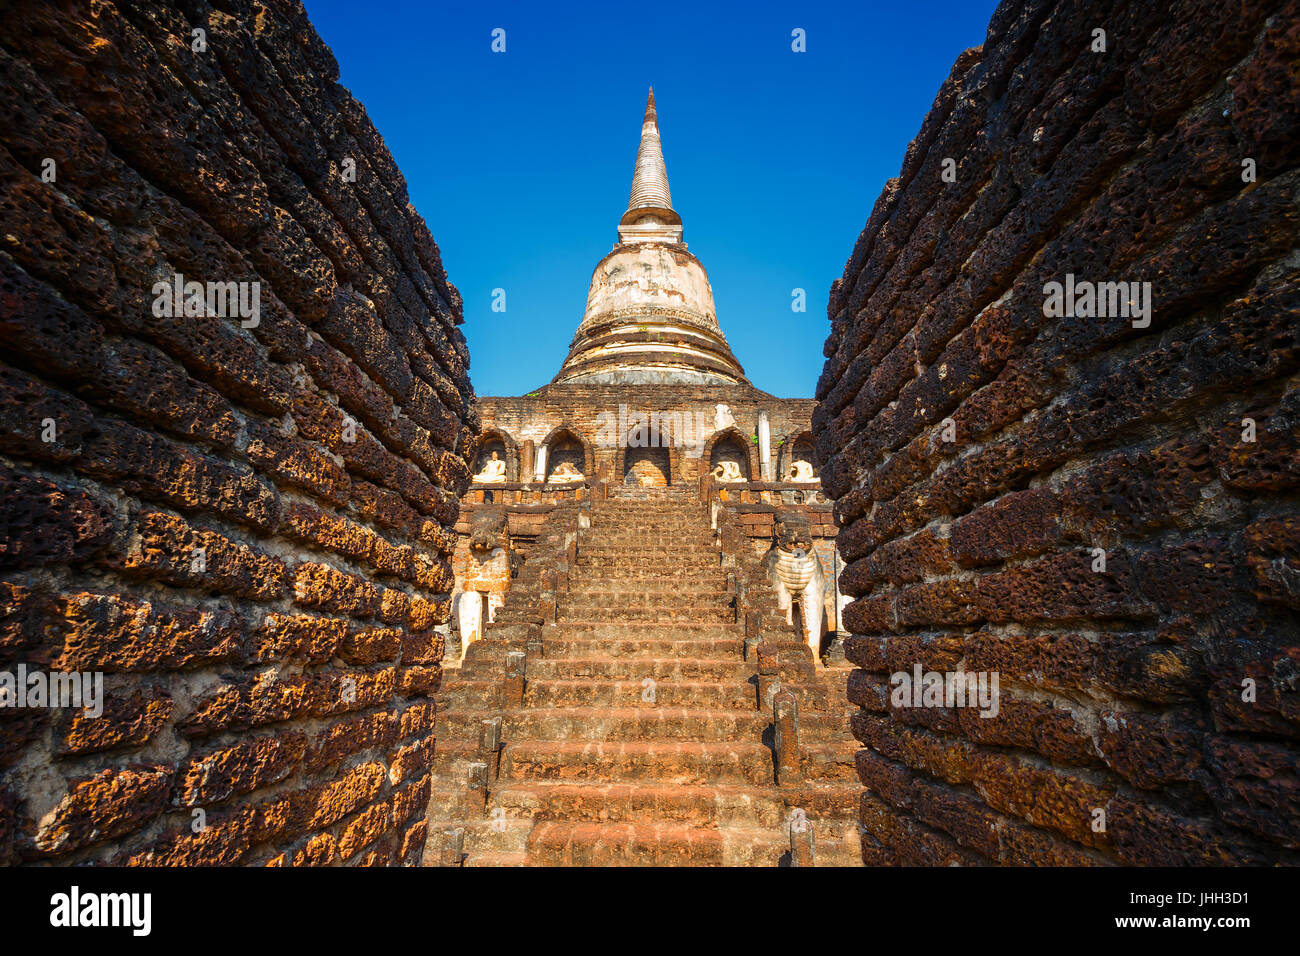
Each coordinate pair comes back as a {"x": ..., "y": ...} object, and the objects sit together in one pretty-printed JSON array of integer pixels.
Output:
[
  {"x": 239, "y": 515},
  {"x": 1098, "y": 506}
]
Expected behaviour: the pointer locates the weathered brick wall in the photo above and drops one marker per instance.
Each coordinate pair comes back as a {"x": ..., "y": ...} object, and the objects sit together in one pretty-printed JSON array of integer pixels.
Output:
[
  {"x": 245, "y": 528},
  {"x": 1128, "y": 729}
]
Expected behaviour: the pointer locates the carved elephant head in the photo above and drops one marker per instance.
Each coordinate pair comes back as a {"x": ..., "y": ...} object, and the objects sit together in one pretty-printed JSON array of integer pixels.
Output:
[
  {"x": 793, "y": 531},
  {"x": 489, "y": 530}
]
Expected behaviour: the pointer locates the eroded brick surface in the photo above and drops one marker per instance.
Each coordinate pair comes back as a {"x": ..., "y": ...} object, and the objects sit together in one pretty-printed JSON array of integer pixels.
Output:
[
  {"x": 980, "y": 449},
  {"x": 245, "y": 527}
]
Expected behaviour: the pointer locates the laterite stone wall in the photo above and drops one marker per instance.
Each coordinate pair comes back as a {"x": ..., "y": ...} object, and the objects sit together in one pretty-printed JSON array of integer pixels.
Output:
[
  {"x": 985, "y": 454},
  {"x": 242, "y": 522}
]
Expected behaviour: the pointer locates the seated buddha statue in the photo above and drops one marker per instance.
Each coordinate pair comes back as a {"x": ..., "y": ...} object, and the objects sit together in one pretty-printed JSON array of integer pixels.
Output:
[
  {"x": 494, "y": 471},
  {"x": 727, "y": 471},
  {"x": 565, "y": 471},
  {"x": 801, "y": 471}
]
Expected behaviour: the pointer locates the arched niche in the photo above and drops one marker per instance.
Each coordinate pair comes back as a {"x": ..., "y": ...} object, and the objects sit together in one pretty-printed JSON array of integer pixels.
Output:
[
  {"x": 797, "y": 446},
  {"x": 731, "y": 444},
  {"x": 648, "y": 466},
  {"x": 496, "y": 440},
  {"x": 566, "y": 445}
]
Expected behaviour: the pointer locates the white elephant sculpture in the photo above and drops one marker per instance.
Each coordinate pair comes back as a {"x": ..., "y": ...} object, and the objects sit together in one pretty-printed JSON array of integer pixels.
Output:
[{"x": 796, "y": 573}]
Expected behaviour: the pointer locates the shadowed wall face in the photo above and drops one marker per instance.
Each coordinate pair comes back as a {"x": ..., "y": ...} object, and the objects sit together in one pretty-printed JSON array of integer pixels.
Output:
[
  {"x": 1059, "y": 415},
  {"x": 234, "y": 412}
]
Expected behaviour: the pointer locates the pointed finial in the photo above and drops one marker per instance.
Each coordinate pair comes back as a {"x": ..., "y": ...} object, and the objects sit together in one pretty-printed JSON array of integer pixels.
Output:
[{"x": 650, "y": 177}]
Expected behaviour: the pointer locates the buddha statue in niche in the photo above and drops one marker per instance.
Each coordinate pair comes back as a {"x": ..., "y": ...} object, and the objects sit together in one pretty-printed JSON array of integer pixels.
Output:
[
  {"x": 565, "y": 471},
  {"x": 801, "y": 470},
  {"x": 727, "y": 471},
  {"x": 494, "y": 471}
]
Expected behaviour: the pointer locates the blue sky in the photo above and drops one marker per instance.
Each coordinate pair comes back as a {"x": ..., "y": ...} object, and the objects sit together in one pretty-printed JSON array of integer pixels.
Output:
[{"x": 521, "y": 162}]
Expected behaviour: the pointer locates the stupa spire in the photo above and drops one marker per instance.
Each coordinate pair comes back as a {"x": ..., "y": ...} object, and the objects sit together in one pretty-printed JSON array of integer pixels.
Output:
[
  {"x": 650, "y": 211},
  {"x": 650, "y": 178},
  {"x": 650, "y": 318}
]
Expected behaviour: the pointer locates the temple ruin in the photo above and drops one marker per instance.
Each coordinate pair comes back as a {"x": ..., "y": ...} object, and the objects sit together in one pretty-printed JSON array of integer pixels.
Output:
[
  {"x": 644, "y": 664},
  {"x": 1019, "y": 586}
]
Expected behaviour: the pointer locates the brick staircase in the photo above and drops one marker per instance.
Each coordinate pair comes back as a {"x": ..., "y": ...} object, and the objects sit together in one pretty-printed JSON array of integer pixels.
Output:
[{"x": 615, "y": 714}]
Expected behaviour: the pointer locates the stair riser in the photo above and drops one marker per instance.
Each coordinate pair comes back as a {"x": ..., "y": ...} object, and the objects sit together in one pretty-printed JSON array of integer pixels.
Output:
[
  {"x": 719, "y": 851},
  {"x": 650, "y": 726},
  {"x": 613, "y": 572},
  {"x": 506, "y": 834},
  {"x": 632, "y": 669},
  {"x": 630, "y": 558},
  {"x": 648, "y": 615},
  {"x": 610, "y": 694},
  {"x": 719, "y": 649},
  {"x": 832, "y": 766},
  {"x": 814, "y": 699},
  {"x": 722, "y": 649},
  {"x": 726, "y": 853},
  {"x": 711, "y": 587},
  {"x": 603, "y": 631},
  {"x": 672, "y": 765},
  {"x": 677, "y": 540},
  {"x": 832, "y": 810},
  {"x": 686, "y": 597},
  {"x": 594, "y": 805},
  {"x": 673, "y": 551},
  {"x": 470, "y": 697}
]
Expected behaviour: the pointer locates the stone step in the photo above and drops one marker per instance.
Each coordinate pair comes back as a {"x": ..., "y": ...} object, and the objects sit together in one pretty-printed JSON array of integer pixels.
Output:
[
  {"x": 617, "y": 723},
  {"x": 676, "y": 540},
  {"x": 667, "y": 564},
  {"x": 449, "y": 799},
  {"x": 675, "y": 762},
  {"x": 649, "y": 514},
  {"x": 608, "y": 570},
  {"x": 639, "y": 668},
  {"x": 815, "y": 697},
  {"x": 823, "y": 737},
  {"x": 707, "y": 588},
  {"x": 504, "y": 834},
  {"x": 727, "y": 695},
  {"x": 639, "y": 535},
  {"x": 829, "y": 760},
  {"x": 635, "y": 501},
  {"x": 672, "y": 546},
  {"x": 469, "y": 692},
  {"x": 831, "y": 810},
  {"x": 728, "y": 648},
  {"x": 663, "y": 569},
  {"x": 667, "y": 558},
  {"x": 711, "y": 585},
  {"x": 555, "y": 843},
  {"x": 622, "y": 519},
  {"x": 657, "y": 532},
  {"x": 661, "y": 642},
  {"x": 818, "y": 727},
  {"x": 681, "y": 544},
  {"x": 451, "y": 759},
  {"x": 643, "y": 630},
  {"x": 594, "y": 615},
  {"x": 686, "y": 596},
  {"x": 497, "y": 859}
]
